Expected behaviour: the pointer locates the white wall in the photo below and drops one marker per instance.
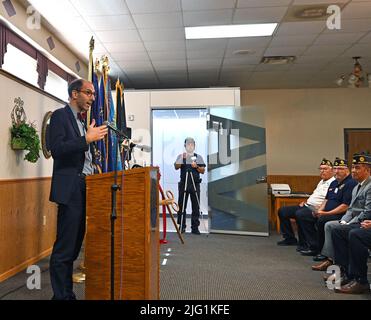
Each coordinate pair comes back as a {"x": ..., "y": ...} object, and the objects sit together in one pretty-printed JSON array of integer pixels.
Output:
[
  {"x": 139, "y": 104},
  {"x": 36, "y": 105},
  {"x": 304, "y": 125},
  {"x": 62, "y": 52}
]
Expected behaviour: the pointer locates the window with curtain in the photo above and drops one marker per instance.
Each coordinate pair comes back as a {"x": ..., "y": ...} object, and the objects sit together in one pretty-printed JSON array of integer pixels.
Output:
[
  {"x": 21, "y": 65},
  {"x": 56, "y": 86}
]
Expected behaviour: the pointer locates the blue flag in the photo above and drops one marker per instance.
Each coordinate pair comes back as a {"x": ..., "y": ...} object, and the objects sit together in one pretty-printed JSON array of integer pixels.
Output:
[
  {"x": 112, "y": 138},
  {"x": 97, "y": 113}
]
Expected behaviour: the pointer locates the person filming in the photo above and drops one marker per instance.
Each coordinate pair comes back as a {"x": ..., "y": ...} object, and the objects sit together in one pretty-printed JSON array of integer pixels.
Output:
[{"x": 191, "y": 165}]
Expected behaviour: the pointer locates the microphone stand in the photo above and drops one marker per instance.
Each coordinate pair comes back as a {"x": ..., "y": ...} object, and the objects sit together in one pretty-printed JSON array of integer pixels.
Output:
[{"x": 114, "y": 187}]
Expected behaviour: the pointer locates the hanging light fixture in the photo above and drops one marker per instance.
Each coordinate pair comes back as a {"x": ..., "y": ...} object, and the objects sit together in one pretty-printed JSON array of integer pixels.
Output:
[{"x": 356, "y": 78}]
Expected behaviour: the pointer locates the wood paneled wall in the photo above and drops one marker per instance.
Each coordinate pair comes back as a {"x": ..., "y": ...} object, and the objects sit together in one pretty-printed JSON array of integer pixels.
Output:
[
  {"x": 27, "y": 224},
  {"x": 297, "y": 183}
]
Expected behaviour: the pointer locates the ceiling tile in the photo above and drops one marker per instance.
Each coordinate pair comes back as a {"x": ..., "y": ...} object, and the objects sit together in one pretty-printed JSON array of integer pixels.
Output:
[
  {"x": 168, "y": 75},
  {"x": 171, "y": 68},
  {"x": 196, "y": 5},
  {"x": 299, "y": 28},
  {"x": 172, "y": 34},
  {"x": 253, "y": 60},
  {"x": 284, "y": 51},
  {"x": 158, "y": 20},
  {"x": 262, "y": 3},
  {"x": 117, "y": 22},
  {"x": 100, "y": 7},
  {"x": 114, "y": 36},
  {"x": 206, "y": 44},
  {"x": 366, "y": 39},
  {"x": 202, "y": 54},
  {"x": 276, "y": 68},
  {"x": 164, "y": 45},
  {"x": 308, "y": 67},
  {"x": 127, "y": 56},
  {"x": 332, "y": 50},
  {"x": 142, "y": 63},
  {"x": 339, "y": 38},
  {"x": 292, "y": 41},
  {"x": 361, "y": 50},
  {"x": 248, "y": 43},
  {"x": 207, "y": 63},
  {"x": 352, "y": 25},
  {"x": 168, "y": 64},
  {"x": 299, "y": 2},
  {"x": 356, "y": 10},
  {"x": 115, "y": 47},
  {"x": 167, "y": 55},
  {"x": 258, "y": 15},
  {"x": 313, "y": 59},
  {"x": 231, "y": 53},
  {"x": 202, "y": 18},
  {"x": 238, "y": 68},
  {"x": 145, "y": 6}
]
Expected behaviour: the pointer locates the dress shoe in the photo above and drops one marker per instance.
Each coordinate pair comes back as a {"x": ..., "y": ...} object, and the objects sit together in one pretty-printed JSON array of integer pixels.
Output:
[
  {"x": 308, "y": 252},
  {"x": 354, "y": 287},
  {"x": 319, "y": 257},
  {"x": 196, "y": 231},
  {"x": 301, "y": 248},
  {"x": 331, "y": 277},
  {"x": 322, "y": 266},
  {"x": 287, "y": 242}
]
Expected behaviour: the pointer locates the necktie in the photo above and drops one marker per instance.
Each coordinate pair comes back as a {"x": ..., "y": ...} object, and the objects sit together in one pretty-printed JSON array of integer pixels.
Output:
[
  {"x": 81, "y": 116},
  {"x": 359, "y": 187}
]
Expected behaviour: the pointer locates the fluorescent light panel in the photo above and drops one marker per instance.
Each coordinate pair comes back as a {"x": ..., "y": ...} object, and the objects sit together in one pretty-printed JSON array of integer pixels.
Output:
[{"x": 230, "y": 31}]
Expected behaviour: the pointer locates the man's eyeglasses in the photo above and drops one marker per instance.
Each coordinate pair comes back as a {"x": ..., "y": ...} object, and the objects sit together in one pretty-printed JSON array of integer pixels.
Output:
[{"x": 88, "y": 93}]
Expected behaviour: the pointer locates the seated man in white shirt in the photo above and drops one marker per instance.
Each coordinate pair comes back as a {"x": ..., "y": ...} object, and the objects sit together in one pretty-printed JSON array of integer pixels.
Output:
[{"x": 314, "y": 201}]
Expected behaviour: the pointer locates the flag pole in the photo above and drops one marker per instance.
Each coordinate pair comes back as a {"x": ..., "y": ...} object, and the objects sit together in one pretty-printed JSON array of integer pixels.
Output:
[{"x": 90, "y": 72}]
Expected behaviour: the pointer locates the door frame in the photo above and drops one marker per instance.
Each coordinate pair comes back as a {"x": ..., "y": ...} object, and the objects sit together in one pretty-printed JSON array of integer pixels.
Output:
[{"x": 346, "y": 131}]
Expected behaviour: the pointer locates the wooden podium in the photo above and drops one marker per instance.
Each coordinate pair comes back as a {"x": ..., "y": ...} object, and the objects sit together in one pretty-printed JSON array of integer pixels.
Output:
[{"x": 137, "y": 251}]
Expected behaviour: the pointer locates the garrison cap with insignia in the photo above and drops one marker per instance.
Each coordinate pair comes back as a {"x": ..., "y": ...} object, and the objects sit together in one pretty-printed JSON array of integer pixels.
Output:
[
  {"x": 361, "y": 159},
  {"x": 326, "y": 162},
  {"x": 340, "y": 162}
]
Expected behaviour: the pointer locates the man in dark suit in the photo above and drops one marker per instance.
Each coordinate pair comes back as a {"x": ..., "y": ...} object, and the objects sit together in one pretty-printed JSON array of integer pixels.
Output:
[
  {"x": 70, "y": 144},
  {"x": 351, "y": 237}
]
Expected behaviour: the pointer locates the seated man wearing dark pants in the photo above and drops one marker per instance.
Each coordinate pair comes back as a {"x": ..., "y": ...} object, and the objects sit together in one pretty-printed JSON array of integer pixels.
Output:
[
  {"x": 315, "y": 200},
  {"x": 338, "y": 198},
  {"x": 351, "y": 240}
]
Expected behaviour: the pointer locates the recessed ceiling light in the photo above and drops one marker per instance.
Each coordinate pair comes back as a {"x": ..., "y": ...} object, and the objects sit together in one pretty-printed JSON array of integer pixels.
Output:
[{"x": 230, "y": 31}]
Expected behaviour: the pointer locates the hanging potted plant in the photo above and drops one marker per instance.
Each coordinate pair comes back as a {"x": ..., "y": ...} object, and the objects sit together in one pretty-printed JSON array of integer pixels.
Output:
[{"x": 24, "y": 135}]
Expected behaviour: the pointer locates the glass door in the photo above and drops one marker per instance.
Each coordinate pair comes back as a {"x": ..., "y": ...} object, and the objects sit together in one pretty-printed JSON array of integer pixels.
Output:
[{"x": 237, "y": 187}]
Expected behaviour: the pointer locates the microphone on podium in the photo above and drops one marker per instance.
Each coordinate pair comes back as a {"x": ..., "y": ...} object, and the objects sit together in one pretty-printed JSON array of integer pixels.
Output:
[
  {"x": 114, "y": 129},
  {"x": 141, "y": 147}
]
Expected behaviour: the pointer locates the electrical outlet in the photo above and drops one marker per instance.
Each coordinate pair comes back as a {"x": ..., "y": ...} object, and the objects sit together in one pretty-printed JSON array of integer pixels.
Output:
[{"x": 131, "y": 117}]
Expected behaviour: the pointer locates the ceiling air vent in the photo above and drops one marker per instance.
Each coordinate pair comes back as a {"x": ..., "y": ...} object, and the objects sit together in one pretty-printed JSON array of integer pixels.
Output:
[
  {"x": 278, "y": 60},
  {"x": 312, "y": 12},
  {"x": 242, "y": 52}
]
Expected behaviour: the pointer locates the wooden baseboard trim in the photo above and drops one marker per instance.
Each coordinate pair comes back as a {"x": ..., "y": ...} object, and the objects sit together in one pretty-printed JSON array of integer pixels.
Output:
[{"x": 25, "y": 264}]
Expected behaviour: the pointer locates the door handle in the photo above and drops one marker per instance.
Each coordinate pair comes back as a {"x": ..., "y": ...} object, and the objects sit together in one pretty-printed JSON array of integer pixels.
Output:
[{"x": 261, "y": 180}]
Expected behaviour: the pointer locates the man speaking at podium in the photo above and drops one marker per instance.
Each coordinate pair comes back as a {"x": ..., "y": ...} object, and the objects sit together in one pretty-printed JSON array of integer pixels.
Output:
[{"x": 70, "y": 145}]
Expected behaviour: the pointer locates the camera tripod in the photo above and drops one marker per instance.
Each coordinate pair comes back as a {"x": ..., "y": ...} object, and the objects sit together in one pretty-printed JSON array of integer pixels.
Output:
[{"x": 185, "y": 199}]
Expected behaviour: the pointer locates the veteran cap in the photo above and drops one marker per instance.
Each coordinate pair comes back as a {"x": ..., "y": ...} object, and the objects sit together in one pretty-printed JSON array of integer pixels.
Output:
[
  {"x": 340, "y": 162},
  {"x": 361, "y": 159},
  {"x": 326, "y": 162}
]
